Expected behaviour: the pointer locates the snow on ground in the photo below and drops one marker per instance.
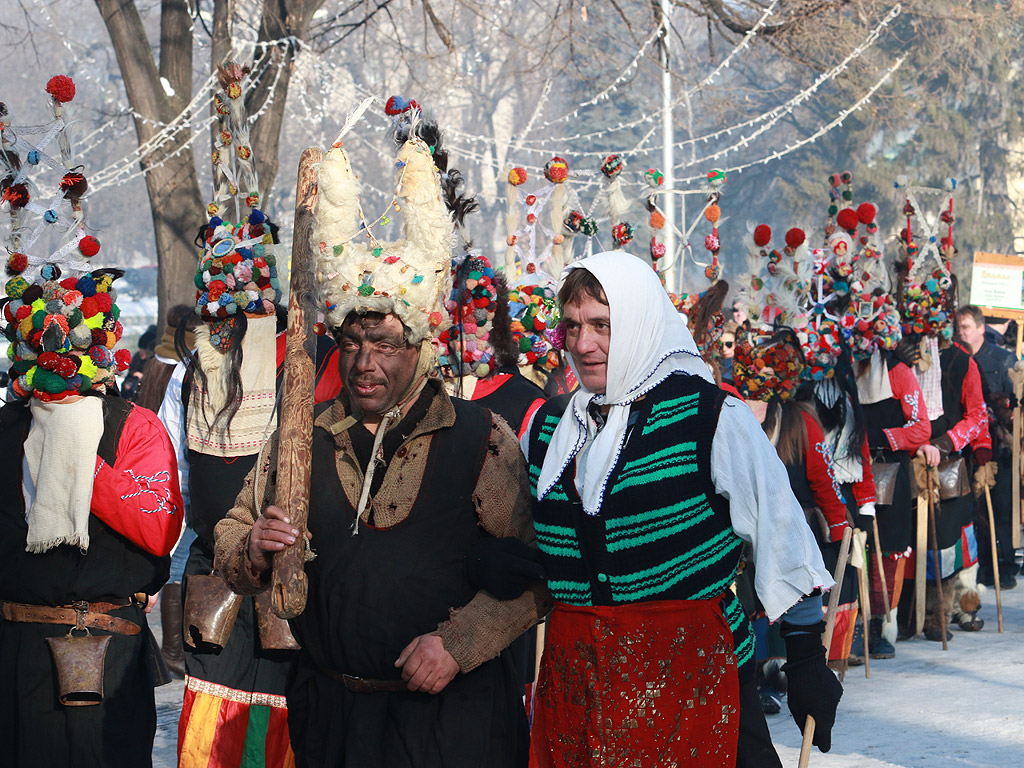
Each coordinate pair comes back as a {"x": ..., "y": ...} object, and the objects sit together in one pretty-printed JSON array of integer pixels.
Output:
[{"x": 927, "y": 708}]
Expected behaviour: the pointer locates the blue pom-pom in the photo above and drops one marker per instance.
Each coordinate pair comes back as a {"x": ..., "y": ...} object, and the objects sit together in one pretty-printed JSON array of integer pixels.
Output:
[
  {"x": 33, "y": 157},
  {"x": 225, "y": 299},
  {"x": 50, "y": 217},
  {"x": 86, "y": 285},
  {"x": 215, "y": 221},
  {"x": 49, "y": 272},
  {"x": 257, "y": 216},
  {"x": 245, "y": 253}
]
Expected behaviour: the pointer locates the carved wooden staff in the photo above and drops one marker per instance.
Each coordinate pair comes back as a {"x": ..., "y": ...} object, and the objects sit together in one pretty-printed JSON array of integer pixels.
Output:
[
  {"x": 294, "y": 453},
  {"x": 826, "y": 639}
]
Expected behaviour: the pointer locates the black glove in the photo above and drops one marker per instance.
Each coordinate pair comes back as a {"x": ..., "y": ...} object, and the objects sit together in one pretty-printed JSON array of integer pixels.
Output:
[
  {"x": 504, "y": 567},
  {"x": 908, "y": 352},
  {"x": 813, "y": 687}
]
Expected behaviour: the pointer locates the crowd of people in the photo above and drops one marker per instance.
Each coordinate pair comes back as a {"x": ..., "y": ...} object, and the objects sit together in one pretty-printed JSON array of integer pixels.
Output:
[{"x": 669, "y": 494}]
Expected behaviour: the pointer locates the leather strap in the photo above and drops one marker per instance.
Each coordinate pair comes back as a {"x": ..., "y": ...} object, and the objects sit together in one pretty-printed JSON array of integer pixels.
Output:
[
  {"x": 95, "y": 616},
  {"x": 365, "y": 684}
]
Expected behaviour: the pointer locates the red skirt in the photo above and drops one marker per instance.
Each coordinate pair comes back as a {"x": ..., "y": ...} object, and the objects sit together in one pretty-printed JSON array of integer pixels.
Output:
[{"x": 648, "y": 684}]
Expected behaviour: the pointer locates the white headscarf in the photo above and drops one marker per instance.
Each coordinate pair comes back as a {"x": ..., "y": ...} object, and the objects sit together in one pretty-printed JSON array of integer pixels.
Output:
[{"x": 649, "y": 342}]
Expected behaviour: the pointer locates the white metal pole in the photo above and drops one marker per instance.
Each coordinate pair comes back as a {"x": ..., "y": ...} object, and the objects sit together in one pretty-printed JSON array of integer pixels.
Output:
[{"x": 674, "y": 278}]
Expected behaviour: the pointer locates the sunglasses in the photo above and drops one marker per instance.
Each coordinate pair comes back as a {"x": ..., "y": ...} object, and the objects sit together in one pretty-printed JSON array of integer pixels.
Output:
[{"x": 728, "y": 344}]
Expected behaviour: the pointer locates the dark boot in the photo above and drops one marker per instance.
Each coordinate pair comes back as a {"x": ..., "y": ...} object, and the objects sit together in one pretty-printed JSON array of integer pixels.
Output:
[
  {"x": 170, "y": 621},
  {"x": 856, "y": 657},
  {"x": 878, "y": 646}
]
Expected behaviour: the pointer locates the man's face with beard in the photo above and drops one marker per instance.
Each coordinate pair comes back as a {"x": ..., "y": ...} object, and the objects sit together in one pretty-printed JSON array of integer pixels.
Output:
[{"x": 377, "y": 364}]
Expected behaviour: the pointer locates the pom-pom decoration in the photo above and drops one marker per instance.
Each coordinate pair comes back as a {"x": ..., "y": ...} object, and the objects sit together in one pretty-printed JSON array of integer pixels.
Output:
[
  {"x": 612, "y": 166},
  {"x": 61, "y": 88},
  {"x": 536, "y": 329},
  {"x": 848, "y": 219},
  {"x": 556, "y": 170},
  {"x": 517, "y": 176},
  {"x": 89, "y": 246},
  {"x": 762, "y": 235},
  {"x": 622, "y": 233},
  {"x": 767, "y": 369},
  {"x": 795, "y": 238},
  {"x": 713, "y": 213},
  {"x": 654, "y": 177},
  {"x": 866, "y": 213}
]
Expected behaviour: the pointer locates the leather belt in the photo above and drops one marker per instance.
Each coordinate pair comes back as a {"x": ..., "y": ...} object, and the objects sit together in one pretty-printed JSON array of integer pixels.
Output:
[
  {"x": 365, "y": 684},
  {"x": 79, "y": 614}
]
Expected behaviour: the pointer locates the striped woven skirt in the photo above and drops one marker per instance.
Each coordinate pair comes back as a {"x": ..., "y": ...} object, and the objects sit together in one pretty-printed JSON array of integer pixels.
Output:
[{"x": 221, "y": 727}]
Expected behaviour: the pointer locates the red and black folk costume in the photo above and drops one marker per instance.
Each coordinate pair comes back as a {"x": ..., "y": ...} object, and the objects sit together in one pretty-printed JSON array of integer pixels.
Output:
[{"x": 91, "y": 506}]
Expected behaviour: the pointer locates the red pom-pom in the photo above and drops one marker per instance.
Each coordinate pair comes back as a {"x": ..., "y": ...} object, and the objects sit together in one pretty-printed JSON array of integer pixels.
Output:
[
  {"x": 67, "y": 367},
  {"x": 89, "y": 307},
  {"x": 17, "y": 195},
  {"x": 17, "y": 263},
  {"x": 61, "y": 88},
  {"x": 89, "y": 246},
  {"x": 123, "y": 358},
  {"x": 48, "y": 360},
  {"x": 847, "y": 219},
  {"x": 866, "y": 212},
  {"x": 762, "y": 235},
  {"x": 103, "y": 301},
  {"x": 795, "y": 237}
]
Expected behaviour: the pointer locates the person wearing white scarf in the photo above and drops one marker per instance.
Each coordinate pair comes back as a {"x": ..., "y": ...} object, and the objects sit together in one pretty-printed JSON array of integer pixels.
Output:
[{"x": 621, "y": 352}]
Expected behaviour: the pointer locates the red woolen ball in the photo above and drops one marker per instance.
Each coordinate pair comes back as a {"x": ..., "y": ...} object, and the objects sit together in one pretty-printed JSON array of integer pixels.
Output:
[
  {"x": 847, "y": 219},
  {"x": 795, "y": 237},
  {"x": 123, "y": 358},
  {"x": 61, "y": 88},
  {"x": 762, "y": 235},
  {"x": 89, "y": 246},
  {"x": 866, "y": 212}
]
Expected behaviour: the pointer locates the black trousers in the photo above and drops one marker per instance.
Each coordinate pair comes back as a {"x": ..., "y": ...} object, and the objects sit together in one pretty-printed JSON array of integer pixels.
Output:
[{"x": 755, "y": 748}]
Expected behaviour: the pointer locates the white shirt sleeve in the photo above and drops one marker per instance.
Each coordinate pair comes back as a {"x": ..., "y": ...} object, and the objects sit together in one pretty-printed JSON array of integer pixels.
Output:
[
  {"x": 746, "y": 470},
  {"x": 172, "y": 414}
]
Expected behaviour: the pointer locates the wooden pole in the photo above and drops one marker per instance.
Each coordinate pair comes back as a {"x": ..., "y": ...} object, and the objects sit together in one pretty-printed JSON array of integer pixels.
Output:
[
  {"x": 1017, "y": 377},
  {"x": 881, "y": 570},
  {"x": 920, "y": 564},
  {"x": 830, "y": 626},
  {"x": 865, "y": 606},
  {"x": 288, "y": 584},
  {"x": 937, "y": 560},
  {"x": 995, "y": 557}
]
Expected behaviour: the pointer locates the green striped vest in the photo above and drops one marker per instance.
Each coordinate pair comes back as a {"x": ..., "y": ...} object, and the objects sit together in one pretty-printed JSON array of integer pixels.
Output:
[{"x": 663, "y": 533}]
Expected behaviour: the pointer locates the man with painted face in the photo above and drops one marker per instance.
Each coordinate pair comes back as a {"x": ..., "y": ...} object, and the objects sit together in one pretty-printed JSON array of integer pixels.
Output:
[
  {"x": 404, "y": 659},
  {"x": 646, "y": 485}
]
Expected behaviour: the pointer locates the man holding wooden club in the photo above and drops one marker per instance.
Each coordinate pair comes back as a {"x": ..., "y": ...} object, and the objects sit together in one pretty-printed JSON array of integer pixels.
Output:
[
  {"x": 403, "y": 658},
  {"x": 646, "y": 485}
]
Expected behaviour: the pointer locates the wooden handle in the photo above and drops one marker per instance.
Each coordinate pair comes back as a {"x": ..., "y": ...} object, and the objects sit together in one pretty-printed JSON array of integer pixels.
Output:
[
  {"x": 288, "y": 584},
  {"x": 881, "y": 571},
  {"x": 805, "y": 745},
  {"x": 995, "y": 558},
  {"x": 936, "y": 559},
  {"x": 830, "y": 625}
]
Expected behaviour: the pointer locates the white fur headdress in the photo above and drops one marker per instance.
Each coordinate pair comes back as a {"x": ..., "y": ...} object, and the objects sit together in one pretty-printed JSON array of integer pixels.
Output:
[{"x": 409, "y": 277}]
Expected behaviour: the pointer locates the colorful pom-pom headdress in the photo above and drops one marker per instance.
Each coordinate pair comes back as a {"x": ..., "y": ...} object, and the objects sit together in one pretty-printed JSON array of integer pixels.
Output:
[
  {"x": 926, "y": 288},
  {"x": 237, "y": 270},
  {"x": 60, "y": 315},
  {"x": 411, "y": 277},
  {"x": 534, "y": 312},
  {"x": 465, "y": 343}
]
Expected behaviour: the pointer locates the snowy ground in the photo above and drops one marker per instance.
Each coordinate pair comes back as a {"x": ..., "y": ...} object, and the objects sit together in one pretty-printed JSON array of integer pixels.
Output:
[{"x": 926, "y": 707}]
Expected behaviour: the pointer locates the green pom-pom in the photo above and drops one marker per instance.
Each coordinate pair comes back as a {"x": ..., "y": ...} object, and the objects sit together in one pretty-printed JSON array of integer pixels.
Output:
[
  {"x": 22, "y": 366},
  {"x": 199, "y": 281},
  {"x": 115, "y": 311},
  {"x": 525, "y": 344},
  {"x": 48, "y": 381},
  {"x": 833, "y": 209},
  {"x": 38, "y": 318},
  {"x": 847, "y": 195}
]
